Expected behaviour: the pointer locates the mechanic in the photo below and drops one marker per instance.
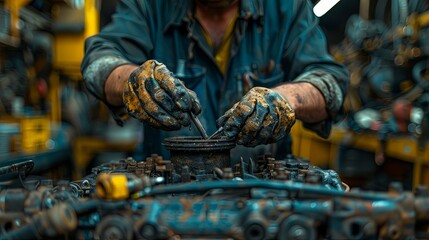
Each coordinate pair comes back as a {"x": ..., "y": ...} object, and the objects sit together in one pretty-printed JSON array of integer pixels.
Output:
[{"x": 254, "y": 66}]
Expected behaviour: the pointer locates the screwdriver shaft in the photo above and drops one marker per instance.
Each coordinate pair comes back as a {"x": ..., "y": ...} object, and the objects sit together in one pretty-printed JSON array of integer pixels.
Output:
[
  {"x": 216, "y": 133},
  {"x": 199, "y": 126}
]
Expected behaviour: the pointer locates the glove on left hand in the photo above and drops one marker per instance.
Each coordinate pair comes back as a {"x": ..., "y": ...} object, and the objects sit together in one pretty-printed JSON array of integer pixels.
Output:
[{"x": 262, "y": 116}]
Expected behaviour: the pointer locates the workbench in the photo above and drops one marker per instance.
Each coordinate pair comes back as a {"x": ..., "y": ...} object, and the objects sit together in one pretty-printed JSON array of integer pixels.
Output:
[{"x": 46, "y": 162}]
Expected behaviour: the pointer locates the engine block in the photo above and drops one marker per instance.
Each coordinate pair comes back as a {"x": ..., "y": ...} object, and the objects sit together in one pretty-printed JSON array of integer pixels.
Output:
[{"x": 262, "y": 199}]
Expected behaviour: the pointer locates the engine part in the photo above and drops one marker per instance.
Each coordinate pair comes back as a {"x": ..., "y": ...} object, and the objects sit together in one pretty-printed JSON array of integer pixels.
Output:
[
  {"x": 200, "y": 155},
  {"x": 114, "y": 227},
  {"x": 54, "y": 222},
  {"x": 364, "y": 34},
  {"x": 387, "y": 60},
  {"x": 267, "y": 198},
  {"x": 119, "y": 186}
]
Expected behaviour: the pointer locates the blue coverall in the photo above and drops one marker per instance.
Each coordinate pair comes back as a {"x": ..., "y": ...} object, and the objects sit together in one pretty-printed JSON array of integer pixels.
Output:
[{"x": 274, "y": 41}]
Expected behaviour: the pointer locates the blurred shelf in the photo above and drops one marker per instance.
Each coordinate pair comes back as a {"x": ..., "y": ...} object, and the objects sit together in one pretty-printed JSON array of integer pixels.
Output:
[{"x": 324, "y": 152}]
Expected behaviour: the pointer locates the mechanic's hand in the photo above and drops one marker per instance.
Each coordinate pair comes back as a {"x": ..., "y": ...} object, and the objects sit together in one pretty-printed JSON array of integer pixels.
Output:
[
  {"x": 154, "y": 96},
  {"x": 262, "y": 116}
]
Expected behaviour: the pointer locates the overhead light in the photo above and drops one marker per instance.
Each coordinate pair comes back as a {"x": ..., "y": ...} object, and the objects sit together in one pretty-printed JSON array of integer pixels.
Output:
[{"x": 323, "y": 6}]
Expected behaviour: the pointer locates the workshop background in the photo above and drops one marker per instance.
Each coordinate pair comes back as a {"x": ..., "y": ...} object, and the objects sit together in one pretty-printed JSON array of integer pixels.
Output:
[{"x": 47, "y": 116}]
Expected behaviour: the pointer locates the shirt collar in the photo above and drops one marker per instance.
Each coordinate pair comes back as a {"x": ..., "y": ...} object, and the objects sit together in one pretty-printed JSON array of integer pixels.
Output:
[{"x": 182, "y": 9}]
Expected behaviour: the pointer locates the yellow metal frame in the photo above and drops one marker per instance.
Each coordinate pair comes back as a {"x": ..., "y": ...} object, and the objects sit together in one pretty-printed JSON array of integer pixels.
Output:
[
  {"x": 69, "y": 47},
  {"x": 68, "y": 54},
  {"x": 85, "y": 148},
  {"x": 321, "y": 152},
  {"x": 14, "y": 6}
]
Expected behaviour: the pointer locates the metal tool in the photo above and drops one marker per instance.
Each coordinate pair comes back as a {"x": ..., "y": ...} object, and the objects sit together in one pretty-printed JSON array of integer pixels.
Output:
[
  {"x": 180, "y": 72},
  {"x": 215, "y": 134},
  {"x": 198, "y": 125}
]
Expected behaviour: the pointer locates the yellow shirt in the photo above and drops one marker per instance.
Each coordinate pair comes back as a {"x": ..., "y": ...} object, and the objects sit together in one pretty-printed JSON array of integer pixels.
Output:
[{"x": 223, "y": 52}]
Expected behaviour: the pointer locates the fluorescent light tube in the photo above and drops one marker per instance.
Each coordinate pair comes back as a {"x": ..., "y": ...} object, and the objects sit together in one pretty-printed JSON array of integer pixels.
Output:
[{"x": 323, "y": 6}]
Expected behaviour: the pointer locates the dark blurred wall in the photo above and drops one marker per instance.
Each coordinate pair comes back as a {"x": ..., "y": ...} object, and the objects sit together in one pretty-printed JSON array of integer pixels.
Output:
[{"x": 333, "y": 23}]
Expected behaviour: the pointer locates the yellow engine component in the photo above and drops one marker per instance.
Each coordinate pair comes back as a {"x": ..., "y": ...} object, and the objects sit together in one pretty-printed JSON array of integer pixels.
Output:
[
  {"x": 117, "y": 186},
  {"x": 112, "y": 186}
]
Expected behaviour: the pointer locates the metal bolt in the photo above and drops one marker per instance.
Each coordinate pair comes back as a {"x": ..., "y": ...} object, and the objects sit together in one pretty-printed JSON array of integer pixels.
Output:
[
  {"x": 228, "y": 174},
  {"x": 292, "y": 165},
  {"x": 278, "y": 164},
  {"x": 303, "y": 165}
]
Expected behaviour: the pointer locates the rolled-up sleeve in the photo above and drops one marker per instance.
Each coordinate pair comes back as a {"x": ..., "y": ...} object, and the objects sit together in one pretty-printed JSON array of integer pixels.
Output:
[
  {"x": 125, "y": 40},
  {"x": 307, "y": 60},
  {"x": 96, "y": 73},
  {"x": 327, "y": 85}
]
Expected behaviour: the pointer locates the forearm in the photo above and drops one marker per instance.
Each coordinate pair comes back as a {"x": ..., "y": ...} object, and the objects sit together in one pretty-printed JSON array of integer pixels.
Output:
[
  {"x": 114, "y": 86},
  {"x": 307, "y": 101}
]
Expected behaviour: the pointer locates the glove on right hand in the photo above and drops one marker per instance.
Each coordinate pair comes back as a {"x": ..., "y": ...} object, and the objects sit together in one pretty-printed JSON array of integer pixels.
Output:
[{"x": 154, "y": 96}]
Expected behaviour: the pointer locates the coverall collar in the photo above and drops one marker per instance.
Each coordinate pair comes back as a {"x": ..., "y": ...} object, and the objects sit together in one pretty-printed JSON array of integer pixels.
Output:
[{"x": 249, "y": 9}]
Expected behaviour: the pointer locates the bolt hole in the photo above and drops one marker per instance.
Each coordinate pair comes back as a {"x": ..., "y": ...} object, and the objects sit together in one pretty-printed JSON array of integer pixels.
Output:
[
  {"x": 255, "y": 232},
  {"x": 356, "y": 229}
]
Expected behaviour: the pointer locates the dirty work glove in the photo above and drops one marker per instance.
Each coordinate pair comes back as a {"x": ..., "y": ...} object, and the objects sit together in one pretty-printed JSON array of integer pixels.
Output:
[
  {"x": 154, "y": 96},
  {"x": 262, "y": 116}
]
